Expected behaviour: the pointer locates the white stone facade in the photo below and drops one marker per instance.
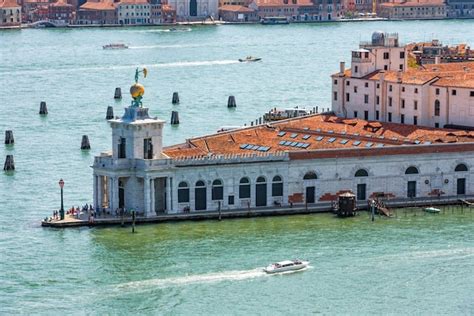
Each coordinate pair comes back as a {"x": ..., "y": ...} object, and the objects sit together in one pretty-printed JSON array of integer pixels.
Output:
[
  {"x": 152, "y": 186},
  {"x": 190, "y": 9},
  {"x": 134, "y": 13}
]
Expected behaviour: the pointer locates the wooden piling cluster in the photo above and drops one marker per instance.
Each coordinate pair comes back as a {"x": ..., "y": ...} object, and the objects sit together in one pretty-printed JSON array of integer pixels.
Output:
[
  {"x": 110, "y": 113},
  {"x": 174, "y": 118},
  {"x": 9, "y": 163},
  {"x": 43, "y": 108},
  {"x": 118, "y": 93},
  {"x": 175, "y": 98},
  {"x": 9, "y": 140},
  {"x": 85, "y": 145}
]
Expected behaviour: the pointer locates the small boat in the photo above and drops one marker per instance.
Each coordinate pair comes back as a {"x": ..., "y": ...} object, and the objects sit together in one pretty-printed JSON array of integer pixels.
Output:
[
  {"x": 431, "y": 210},
  {"x": 249, "y": 59},
  {"x": 287, "y": 265},
  {"x": 115, "y": 46},
  {"x": 283, "y": 114}
]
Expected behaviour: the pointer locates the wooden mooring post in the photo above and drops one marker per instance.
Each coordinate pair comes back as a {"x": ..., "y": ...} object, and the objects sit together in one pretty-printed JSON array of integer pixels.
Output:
[
  {"x": 110, "y": 113},
  {"x": 133, "y": 221},
  {"x": 9, "y": 137},
  {"x": 175, "y": 99},
  {"x": 174, "y": 118},
  {"x": 85, "y": 145},
  {"x": 219, "y": 209},
  {"x": 43, "y": 108},
  {"x": 9, "y": 163},
  {"x": 231, "y": 102},
  {"x": 118, "y": 93}
]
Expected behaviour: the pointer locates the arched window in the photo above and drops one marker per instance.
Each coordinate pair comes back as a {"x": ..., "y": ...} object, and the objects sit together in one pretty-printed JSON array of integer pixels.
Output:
[
  {"x": 217, "y": 190},
  {"x": 436, "y": 108},
  {"x": 361, "y": 173},
  {"x": 183, "y": 192},
  {"x": 277, "y": 186},
  {"x": 244, "y": 188},
  {"x": 261, "y": 192},
  {"x": 200, "y": 183},
  {"x": 261, "y": 180},
  {"x": 411, "y": 170},
  {"x": 461, "y": 167},
  {"x": 310, "y": 175}
]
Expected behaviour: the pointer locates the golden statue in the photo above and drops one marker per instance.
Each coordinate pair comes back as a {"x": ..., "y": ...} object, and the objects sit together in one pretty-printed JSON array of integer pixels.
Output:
[{"x": 137, "y": 90}]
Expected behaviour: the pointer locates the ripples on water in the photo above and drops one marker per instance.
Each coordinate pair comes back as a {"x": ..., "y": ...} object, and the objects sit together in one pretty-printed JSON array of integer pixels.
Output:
[{"x": 416, "y": 265}]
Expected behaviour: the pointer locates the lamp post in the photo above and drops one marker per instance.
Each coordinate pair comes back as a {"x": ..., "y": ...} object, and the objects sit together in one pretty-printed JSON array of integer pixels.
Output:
[{"x": 61, "y": 211}]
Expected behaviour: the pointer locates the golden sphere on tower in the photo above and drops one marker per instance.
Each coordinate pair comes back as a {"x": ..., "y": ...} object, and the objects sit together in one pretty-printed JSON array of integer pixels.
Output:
[{"x": 137, "y": 90}]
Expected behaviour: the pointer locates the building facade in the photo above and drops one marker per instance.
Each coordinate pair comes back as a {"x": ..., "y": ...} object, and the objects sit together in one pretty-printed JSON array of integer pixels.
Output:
[
  {"x": 133, "y": 12},
  {"x": 378, "y": 86},
  {"x": 299, "y": 10},
  {"x": 460, "y": 9},
  {"x": 10, "y": 13},
  {"x": 102, "y": 13},
  {"x": 302, "y": 161},
  {"x": 416, "y": 10},
  {"x": 237, "y": 13},
  {"x": 195, "y": 9}
]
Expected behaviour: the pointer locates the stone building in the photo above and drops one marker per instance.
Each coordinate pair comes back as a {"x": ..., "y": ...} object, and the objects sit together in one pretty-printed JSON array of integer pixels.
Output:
[
  {"x": 299, "y": 10},
  {"x": 379, "y": 86},
  {"x": 194, "y": 9},
  {"x": 302, "y": 161},
  {"x": 413, "y": 10},
  {"x": 460, "y": 9},
  {"x": 61, "y": 13},
  {"x": 133, "y": 12},
  {"x": 92, "y": 12},
  {"x": 10, "y": 13},
  {"x": 237, "y": 13}
]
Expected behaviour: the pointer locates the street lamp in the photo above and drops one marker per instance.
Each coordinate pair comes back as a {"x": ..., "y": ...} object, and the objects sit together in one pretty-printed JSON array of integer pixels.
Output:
[{"x": 61, "y": 211}]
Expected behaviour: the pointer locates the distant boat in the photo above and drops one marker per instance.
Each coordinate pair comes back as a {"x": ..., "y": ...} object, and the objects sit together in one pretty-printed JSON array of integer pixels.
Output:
[
  {"x": 287, "y": 265},
  {"x": 174, "y": 29},
  {"x": 431, "y": 210},
  {"x": 249, "y": 59},
  {"x": 275, "y": 20},
  {"x": 115, "y": 46}
]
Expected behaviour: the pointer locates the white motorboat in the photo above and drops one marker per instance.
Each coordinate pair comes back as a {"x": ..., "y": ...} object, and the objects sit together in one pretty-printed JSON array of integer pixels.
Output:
[
  {"x": 287, "y": 265},
  {"x": 115, "y": 46}
]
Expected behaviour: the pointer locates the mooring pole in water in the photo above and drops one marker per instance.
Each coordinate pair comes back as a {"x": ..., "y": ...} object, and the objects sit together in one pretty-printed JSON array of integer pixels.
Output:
[
  {"x": 9, "y": 140},
  {"x": 219, "y": 209},
  {"x": 110, "y": 113},
  {"x": 372, "y": 208},
  {"x": 43, "y": 108},
  {"x": 122, "y": 217},
  {"x": 133, "y": 221},
  {"x": 175, "y": 98}
]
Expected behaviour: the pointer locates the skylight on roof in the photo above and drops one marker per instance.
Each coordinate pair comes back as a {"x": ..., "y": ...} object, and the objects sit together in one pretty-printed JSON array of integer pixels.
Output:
[
  {"x": 255, "y": 147},
  {"x": 417, "y": 142},
  {"x": 344, "y": 141},
  {"x": 249, "y": 146},
  {"x": 319, "y": 138},
  {"x": 330, "y": 132},
  {"x": 343, "y": 133},
  {"x": 263, "y": 148},
  {"x": 287, "y": 143},
  {"x": 282, "y": 142},
  {"x": 281, "y": 134},
  {"x": 369, "y": 144},
  {"x": 380, "y": 145},
  {"x": 306, "y": 145},
  {"x": 243, "y": 146},
  {"x": 427, "y": 143},
  {"x": 293, "y": 144},
  {"x": 299, "y": 145},
  {"x": 293, "y": 135},
  {"x": 356, "y": 143},
  {"x": 305, "y": 137},
  {"x": 332, "y": 139},
  {"x": 318, "y": 130}
]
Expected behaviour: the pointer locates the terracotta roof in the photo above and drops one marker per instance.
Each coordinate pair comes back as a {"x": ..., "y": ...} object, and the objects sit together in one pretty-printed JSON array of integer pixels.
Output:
[
  {"x": 419, "y": 3},
  {"x": 101, "y": 5},
  {"x": 133, "y": 2},
  {"x": 314, "y": 133},
  {"x": 235, "y": 8},
  {"x": 9, "y": 4},
  {"x": 61, "y": 3}
]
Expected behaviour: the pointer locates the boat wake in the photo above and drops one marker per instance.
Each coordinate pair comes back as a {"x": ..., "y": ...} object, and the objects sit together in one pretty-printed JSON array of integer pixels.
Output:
[
  {"x": 194, "y": 63},
  {"x": 194, "y": 279}
]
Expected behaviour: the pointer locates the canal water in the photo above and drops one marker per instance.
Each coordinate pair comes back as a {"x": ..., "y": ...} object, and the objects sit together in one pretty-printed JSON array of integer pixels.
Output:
[{"x": 421, "y": 264}]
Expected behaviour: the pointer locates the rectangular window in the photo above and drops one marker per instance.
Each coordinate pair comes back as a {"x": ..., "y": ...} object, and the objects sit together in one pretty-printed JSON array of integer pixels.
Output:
[
  {"x": 335, "y": 81},
  {"x": 403, "y": 89},
  {"x": 378, "y": 85},
  {"x": 415, "y": 105},
  {"x": 389, "y": 116},
  {"x": 377, "y": 115},
  {"x": 366, "y": 98},
  {"x": 366, "y": 84},
  {"x": 347, "y": 97},
  {"x": 147, "y": 149},
  {"x": 416, "y": 90},
  {"x": 402, "y": 118},
  {"x": 385, "y": 56},
  {"x": 453, "y": 92},
  {"x": 402, "y": 55},
  {"x": 355, "y": 113},
  {"x": 355, "y": 89},
  {"x": 335, "y": 95},
  {"x": 403, "y": 103},
  {"x": 244, "y": 191},
  {"x": 415, "y": 120},
  {"x": 437, "y": 91},
  {"x": 230, "y": 200},
  {"x": 377, "y": 100},
  {"x": 356, "y": 69},
  {"x": 217, "y": 193},
  {"x": 366, "y": 115},
  {"x": 389, "y": 101},
  {"x": 400, "y": 67},
  {"x": 436, "y": 125},
  {"x": 183, "y": 195},
  {"x": 472, "y": 94},
  {"x": 122, "y": 148},
  {"x": 411, "y": 189},
  {"x": 385, "y": 67},
  {"x": 348, "y": 83},
  {"x": 390, "y": 88}
]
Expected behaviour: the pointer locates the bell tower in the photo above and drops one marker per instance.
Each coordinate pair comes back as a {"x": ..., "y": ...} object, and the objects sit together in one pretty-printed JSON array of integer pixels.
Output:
[{"x": 136, "y": 135}]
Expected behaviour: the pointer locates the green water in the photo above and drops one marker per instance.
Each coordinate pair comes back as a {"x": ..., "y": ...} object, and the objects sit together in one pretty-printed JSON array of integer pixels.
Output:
[{"x": 420, "y": 264}]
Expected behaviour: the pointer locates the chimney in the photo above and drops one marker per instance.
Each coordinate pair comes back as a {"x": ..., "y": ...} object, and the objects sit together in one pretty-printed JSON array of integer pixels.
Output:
[
  {"x": 437, "y": 60},
  {"x": 342, "y": 67}
]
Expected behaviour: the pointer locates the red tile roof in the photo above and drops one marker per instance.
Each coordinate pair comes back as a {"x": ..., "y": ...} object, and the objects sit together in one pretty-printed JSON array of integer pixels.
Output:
[
  {"x": 319, "y": 132},
  {"x": 61, "y": 3},
  {"x": 101, "y": 5},
  {"x": 266, "y": 3},
  {"x": 235, "y": 8},
  {"x": 9, "y": 4}
]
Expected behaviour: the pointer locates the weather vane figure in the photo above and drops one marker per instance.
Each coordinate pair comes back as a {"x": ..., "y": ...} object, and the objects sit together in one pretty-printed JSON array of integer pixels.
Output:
[{"x": 137, "y": 90}]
